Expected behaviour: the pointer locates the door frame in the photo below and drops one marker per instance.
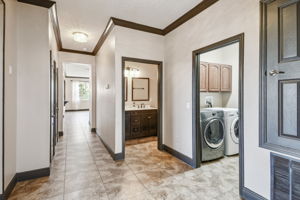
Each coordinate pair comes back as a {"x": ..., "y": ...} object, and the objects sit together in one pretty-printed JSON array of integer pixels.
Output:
[
  {"x": 197, "y": 142},
  {"x": 159, "y": 97}
]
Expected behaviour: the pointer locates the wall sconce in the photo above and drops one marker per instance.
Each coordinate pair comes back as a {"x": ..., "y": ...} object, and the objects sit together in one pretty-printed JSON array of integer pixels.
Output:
[{"x": 132, "y": 72}]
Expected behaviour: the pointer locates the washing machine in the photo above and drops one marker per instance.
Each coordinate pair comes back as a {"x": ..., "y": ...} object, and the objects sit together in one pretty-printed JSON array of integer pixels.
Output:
[
  {"x": 213, "y": 135},
  {"x": 231, "y": 120},
  {"x": 231, "y": 123}
]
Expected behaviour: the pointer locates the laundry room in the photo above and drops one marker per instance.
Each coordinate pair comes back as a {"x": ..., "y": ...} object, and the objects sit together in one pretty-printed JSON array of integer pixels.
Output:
[{"x": 219, "y": 94}]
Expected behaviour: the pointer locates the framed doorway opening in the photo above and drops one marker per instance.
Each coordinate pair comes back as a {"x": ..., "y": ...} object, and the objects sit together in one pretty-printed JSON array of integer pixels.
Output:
[
  {"x": 159, "y": 99},
  {"x": 197, "y": 133}
]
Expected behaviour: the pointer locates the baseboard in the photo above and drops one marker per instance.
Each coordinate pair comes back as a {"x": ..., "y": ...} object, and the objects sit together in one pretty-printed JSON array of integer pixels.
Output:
[
  {"x": 60, "y": 133},
  {"x": 93, "y": 130},
  {"x": 248, "y": 194},
  {"x": 178, "y": 155},
  {"x": 78, "y": 110},
  {"x": 9, "y": 188},
  {"x": 38, "y": 173},
  {"x": 118, "y": 156}
]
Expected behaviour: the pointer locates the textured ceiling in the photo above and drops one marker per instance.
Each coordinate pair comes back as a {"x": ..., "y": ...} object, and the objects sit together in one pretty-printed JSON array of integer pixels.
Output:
[{"x": 91, "y": 16}]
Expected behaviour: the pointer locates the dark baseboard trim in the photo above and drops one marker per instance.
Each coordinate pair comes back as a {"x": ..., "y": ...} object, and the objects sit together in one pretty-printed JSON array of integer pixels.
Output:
[
  {"x": 93, "y": 130},
  {"x": 61, "y": 133},
  {"x": 79, "y": 110},
  {"x": 23, "y": 176},
  {"x": 118, "y": 156},
  {"x": 248, "y": 194},
  {"x": 178, "y": 155},
  {"x": 38, "y": 173},
  {"x": 9, "y": 188}
]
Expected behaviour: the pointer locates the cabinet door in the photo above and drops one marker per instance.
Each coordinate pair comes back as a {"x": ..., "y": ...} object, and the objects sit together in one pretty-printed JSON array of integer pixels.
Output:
[
  {"x": 203, "y": 77},
  {"x": 144, "y": 125},
  {"x": 127, "y": 126},
  {"x": 226, "y": 78},
  {"x": 152, "y": 118},
  {"x": 214, "y": 74}
]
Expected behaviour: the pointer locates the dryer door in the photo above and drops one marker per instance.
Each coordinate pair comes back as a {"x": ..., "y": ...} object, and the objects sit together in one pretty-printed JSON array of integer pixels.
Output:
[
  {"x": 234, "y": 131},
  {"x": 214, "y": 133}
]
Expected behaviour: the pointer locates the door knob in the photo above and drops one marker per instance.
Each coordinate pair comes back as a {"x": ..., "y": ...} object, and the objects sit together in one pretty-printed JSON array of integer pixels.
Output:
[{"x": 275, "y": 72}]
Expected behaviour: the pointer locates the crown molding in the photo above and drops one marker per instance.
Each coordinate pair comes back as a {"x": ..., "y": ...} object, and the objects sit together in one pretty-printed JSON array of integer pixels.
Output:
[
  {"x": 41, "y": 3},
  {"x": 127, "y": 24}
]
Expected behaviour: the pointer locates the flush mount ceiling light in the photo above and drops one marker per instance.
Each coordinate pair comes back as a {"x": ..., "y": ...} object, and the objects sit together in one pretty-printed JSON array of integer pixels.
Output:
[{"x": 80, "y": 37}]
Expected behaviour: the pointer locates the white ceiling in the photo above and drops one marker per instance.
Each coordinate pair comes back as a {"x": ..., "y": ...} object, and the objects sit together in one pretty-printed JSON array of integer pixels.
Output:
[
  {"x": 77, "y": 70},
  {"x": 91, "y": 16}
]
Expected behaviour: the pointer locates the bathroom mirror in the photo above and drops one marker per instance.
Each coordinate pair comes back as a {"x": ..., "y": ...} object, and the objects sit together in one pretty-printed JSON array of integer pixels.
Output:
[{"x": 140, "y": 89}]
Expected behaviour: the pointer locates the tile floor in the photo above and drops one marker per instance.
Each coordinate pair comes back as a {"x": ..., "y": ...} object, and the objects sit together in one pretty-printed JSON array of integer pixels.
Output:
[{"x": 83, "y": 170}]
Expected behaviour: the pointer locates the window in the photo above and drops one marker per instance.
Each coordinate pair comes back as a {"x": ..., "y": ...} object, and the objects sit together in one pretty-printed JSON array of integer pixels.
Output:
[{"x": 84, "y": 91}]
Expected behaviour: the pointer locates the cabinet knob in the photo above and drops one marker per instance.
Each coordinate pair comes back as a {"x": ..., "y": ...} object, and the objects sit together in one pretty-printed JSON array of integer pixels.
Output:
[{"x": 149, "y": 117}]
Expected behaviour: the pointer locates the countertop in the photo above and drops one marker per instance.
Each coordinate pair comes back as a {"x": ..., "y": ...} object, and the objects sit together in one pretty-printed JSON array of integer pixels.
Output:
[{"x": 139, "y": 109}]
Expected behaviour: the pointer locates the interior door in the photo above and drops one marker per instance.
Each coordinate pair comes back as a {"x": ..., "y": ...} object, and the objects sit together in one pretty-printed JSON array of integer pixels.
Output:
[
  {"x": 53, "y": 108},
  {"x": 283, "y": 73}
]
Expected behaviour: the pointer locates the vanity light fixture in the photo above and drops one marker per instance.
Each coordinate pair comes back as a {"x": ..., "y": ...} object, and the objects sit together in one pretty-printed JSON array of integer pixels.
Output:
[
  {"x": 132, "y": 72},
  {"x": 80, "y": 37}
]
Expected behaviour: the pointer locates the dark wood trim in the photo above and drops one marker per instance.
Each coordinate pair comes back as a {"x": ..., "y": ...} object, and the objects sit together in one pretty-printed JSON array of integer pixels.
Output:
[
  {"x": 33, "y": 174},
  {"x": 109, "y": 27},
  {"x": 3, "y": 95},
  {"x": 179, "y": 155},
  {"x": 76, "y": 51},
  {"x": 148, "y": 99},
  {"x": 93, "y": 130},
  {"x": 55, "y": 26},
  {"x": 61, "y": 133},
  {"x": 136, "y": 26},
  {"x": 9, "y": 187},
  {"x": 196, "y": 99},
  {"x": 78, "y": 110},
  {"x": 41, "y": 3},
  {"x": 115, "y": 156},
  {"x": 160, "y": 99},
  {"x": 189, "y": 15},
  {"x": 77, "y": 77}
]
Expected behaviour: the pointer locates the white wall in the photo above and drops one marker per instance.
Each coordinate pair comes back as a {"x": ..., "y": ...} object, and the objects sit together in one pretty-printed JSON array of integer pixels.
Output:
[
  {"x": 146, "y": 71},
  {"x": 65, "y": 58},
  {"x": 106, "y": 92},
  {"x": 224, "y": 19},
  {"x": 228, "y": 55},
  {"x": 135, "y": 44},
  {"x": 33, "y": 88},
  {"x": 10, "y": 118}
]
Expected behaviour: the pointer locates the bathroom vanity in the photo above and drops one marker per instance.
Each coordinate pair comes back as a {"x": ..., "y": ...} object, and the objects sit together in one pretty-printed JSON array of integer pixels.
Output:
[{"x": 140, "y": 123}]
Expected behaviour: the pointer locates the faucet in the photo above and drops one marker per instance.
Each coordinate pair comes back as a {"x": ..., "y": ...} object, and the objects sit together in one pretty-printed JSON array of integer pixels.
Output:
[
  {"x": 142, "y": 105},
  {"x": 209, "y": 104},
  {"x": 133, "y": 104}
]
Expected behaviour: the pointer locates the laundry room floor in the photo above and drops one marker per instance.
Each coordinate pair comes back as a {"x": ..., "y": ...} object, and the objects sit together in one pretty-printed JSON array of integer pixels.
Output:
[{"x": 83, "y": 169}]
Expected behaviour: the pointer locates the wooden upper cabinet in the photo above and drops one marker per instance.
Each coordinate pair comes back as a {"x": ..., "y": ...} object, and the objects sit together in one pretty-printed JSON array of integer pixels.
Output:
[
  {"x": 203, "y": 77},
  {"x": 214, "y": 74},
  {"x": 226, "y": 78}
]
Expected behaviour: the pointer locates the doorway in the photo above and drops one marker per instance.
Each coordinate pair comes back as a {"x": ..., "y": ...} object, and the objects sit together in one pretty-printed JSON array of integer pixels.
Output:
[
  {"x": 53, "y": 106},
  {"x": 141, "y": 101},
  {"x": 217, "y": 99}
]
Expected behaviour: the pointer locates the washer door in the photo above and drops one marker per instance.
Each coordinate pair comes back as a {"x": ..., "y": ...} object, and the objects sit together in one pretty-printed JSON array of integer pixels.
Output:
[
  {"x": 214, "y": 133},
  {"x": 234, "y": 131}
]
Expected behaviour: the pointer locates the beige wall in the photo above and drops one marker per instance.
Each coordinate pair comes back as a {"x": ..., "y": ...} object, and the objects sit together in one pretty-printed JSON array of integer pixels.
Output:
[
  {"x": 10, "y": 118},
  {"x": 106, "y": 92},
  {"x": 146, "y": 71},
  {"x": 33, "y": 88}
]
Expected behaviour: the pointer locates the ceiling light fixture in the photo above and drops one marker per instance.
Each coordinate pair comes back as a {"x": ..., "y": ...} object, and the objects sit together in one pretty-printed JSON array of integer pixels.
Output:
[{"x": 80, "y": 37}]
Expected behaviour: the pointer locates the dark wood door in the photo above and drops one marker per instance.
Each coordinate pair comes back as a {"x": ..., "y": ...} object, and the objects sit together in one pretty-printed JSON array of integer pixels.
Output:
[
  {"x": 283, "y": 73},
  {"x": 53, "y": 108}
]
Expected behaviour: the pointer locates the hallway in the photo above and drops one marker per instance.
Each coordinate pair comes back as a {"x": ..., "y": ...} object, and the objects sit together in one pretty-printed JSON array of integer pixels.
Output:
[{"x": 83, "y": 169}]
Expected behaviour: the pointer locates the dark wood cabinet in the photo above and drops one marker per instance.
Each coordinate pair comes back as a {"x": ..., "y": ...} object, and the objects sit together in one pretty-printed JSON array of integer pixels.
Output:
[{"x": 140, "y": 124}]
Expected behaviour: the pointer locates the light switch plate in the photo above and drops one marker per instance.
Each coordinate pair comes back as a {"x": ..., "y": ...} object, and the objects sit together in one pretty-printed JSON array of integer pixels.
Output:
[{"x": 10, "y": 69}]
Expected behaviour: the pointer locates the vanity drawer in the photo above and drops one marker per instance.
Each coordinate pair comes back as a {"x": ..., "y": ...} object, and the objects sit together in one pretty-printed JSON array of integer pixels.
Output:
[{"x": 135, "y": 119}]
